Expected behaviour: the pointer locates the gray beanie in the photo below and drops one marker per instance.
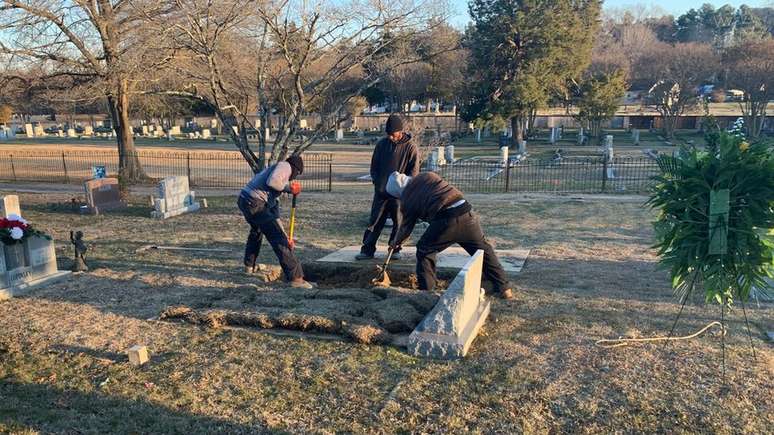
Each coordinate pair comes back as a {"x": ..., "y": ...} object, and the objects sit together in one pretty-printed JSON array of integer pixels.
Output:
[{"x": 396, "y": 183}]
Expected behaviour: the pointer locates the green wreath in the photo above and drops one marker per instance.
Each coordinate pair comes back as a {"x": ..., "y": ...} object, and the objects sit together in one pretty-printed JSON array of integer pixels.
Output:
[{"x": 716, "y": 217}]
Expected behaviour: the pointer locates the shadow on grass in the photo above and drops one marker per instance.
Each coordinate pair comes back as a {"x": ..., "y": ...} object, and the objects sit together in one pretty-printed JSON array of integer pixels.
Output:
[{"x": 48, "y": 410}]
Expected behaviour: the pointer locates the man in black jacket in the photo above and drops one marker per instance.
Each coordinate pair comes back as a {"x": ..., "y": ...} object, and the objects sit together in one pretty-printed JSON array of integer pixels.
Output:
[{"x": 396, "y": 152}]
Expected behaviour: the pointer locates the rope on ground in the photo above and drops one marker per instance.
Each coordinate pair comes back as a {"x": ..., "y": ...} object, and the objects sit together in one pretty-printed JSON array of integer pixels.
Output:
[{"x": 618, "y": 342}]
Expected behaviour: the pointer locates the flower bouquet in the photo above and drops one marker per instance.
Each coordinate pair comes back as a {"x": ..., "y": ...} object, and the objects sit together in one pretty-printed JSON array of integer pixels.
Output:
[{"x": 15, "y": 229}]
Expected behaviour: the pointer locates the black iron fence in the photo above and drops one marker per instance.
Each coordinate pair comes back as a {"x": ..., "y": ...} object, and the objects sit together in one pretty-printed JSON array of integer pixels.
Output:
[
  {"x": 568, "y": 175},
  {"x": 227, "y": 169},
  {"x": 205, "y": 169}
]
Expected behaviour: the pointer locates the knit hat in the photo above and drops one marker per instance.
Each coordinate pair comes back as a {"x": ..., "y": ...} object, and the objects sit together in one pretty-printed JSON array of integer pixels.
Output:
[
  {"x": 396, "y": 183},
  {"x": 296, "y": 165},
  {"x": 394, "y": 124}
]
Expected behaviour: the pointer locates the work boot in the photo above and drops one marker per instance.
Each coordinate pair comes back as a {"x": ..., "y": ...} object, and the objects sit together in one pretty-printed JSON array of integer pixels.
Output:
[
  {"x": 506, "y": 294},
  {"x": 302, "y": 283},
  {"x": 364, "y": 256},
  {"x": 249, "y": 270}
]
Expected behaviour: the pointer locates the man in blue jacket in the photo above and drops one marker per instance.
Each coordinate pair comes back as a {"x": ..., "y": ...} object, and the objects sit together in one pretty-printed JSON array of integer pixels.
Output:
[
  {"x": 396, "y": 152},
  {"x": 259, "y": 203}
]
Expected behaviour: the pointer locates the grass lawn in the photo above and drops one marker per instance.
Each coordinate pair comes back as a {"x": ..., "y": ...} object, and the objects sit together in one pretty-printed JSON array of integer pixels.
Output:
[{"x": 535, "y": 367}]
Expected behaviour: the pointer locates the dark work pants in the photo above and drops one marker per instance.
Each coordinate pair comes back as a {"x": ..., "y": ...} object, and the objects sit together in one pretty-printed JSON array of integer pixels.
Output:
[
  {"x": 271, "y": 228},
  {"x": 382, "y": 208},
  {"x": 464, "y": 230}
]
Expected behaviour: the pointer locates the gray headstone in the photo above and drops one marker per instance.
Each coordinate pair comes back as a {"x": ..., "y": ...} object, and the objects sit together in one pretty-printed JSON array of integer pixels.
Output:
[
  {"x": 449, "y": 329},
  {"x": 175, "y": 198}
]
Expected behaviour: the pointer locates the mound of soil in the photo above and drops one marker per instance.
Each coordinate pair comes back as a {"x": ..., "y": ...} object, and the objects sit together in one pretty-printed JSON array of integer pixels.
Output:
[{"x": 370, "y": 316}]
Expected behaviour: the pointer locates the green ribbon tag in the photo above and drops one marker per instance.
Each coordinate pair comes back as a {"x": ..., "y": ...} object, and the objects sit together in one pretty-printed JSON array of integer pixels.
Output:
[{"x": 718, "y": 218}]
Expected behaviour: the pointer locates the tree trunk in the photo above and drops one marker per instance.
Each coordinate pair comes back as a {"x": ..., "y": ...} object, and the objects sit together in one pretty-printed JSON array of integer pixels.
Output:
[
  {"x": 517, "y": 125},
  {"x": 129, "y": 168}
]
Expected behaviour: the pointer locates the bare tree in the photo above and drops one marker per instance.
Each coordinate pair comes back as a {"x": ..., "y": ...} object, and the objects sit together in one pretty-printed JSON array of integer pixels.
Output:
[
  {"x": 97, "y": 42},
  {"x": 751, "y": 69},
  {"x": 676, "y": 71},
  {"x": 293, "y": 57}
]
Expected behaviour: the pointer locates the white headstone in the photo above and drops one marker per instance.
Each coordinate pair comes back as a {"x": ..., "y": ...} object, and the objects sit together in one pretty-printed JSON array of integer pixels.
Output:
[
  {"x": 609, "y": 148},
  {"x": 144, "y": 130},
  {"x": 175, "y": 130},
  {"x": 432, "y": 161},
  {"x": 302, "y": 124},
  {"x": 267, "y": 134},
  {"x": 88, "y": 130},
  {"x": 339, "y": 134},
  {"x": 478, "y": 135},
  {"x": 29, "y": 131},
  {"x": 554, "y": 135},
  {"x": 71, "y": 132},
  {"x": 450, "y": 153},
  {"x": 441, "y": 156},
  {"x": 206, "y": 133},
  {"x": 9, "y": 204},
  {"x": 39, "y": 132},
  {"x": 580, "y": 136},
  {"x": 636, "y": 136},
  {"x": 504, "y": 156}
]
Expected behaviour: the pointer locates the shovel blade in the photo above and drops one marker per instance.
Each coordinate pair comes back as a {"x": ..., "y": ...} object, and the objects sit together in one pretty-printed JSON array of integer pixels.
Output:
[{"x": 382, "y": 281}]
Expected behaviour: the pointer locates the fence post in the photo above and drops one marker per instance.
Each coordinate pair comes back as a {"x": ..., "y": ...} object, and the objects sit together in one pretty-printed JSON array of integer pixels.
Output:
[
  {"x": 604, "y": 174},
  {"x": 13, "y": 169},
  {"x": 507, "y": 176},
  {"x": 188, "y": 167},
  {"x": 330, "y": 177},
  {"x": 64, "y": 166}
]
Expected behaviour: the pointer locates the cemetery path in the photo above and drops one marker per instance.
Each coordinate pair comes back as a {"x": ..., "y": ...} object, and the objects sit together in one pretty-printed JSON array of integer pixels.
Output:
[{"x": 591, "y": 274}]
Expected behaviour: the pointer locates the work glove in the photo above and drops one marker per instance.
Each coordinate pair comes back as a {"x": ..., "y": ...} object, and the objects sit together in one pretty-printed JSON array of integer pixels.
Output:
[
  {"x": 295, "y": 187},
  {"x": 292, "y": 244}
]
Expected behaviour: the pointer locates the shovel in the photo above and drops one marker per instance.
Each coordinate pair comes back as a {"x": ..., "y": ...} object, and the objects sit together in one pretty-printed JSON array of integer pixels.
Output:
[
  {"x": 292, "y": 221},
  {"x": 383, "y": 280}
]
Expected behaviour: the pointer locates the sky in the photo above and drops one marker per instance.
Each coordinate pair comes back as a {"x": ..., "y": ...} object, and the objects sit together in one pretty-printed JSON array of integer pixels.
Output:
[{"x": 674, "y": 7}]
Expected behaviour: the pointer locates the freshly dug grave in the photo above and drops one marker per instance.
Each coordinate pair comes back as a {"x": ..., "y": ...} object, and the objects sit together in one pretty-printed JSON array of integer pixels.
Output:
[
  {"x": 332, "y": 275},
  {"x": 369, "y": 316}
]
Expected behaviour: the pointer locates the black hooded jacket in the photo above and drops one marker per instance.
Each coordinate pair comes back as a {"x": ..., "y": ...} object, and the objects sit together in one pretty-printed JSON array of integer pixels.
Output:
[{"x": 389, "y": 157}]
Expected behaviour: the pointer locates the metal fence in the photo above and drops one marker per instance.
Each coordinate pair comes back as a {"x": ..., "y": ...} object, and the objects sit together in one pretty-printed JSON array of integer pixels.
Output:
[
  {"x": 205, "y": 169},
  {"x": 568, "y": 175},
  {"x": 227, "y": 169}
]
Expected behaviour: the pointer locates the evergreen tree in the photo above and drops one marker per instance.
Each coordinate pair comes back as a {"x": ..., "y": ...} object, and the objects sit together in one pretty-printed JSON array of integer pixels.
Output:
[{"x": 525, "y": 51}]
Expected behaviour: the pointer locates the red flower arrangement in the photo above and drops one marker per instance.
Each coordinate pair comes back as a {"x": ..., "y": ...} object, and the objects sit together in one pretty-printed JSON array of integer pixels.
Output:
[{"x": 14, "y": 229}]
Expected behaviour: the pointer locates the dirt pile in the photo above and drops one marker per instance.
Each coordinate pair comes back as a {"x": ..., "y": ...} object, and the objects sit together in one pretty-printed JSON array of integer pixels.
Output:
[{"x": 370, "y": 316}]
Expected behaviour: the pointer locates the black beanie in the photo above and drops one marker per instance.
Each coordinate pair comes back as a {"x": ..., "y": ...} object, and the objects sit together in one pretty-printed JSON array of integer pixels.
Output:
[
  {"x": 296, "y": 165},
  {"x": 394, "y": 124}
]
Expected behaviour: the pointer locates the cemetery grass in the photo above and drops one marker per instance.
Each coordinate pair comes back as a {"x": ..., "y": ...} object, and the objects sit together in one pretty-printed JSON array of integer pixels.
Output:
[{"x": 534, "y": 368}]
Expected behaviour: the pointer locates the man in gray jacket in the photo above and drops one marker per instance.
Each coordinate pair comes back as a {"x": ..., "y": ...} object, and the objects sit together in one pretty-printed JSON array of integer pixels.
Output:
[
  {"x": 396, "y": 152},
  {"x": 259, "y": 203}
]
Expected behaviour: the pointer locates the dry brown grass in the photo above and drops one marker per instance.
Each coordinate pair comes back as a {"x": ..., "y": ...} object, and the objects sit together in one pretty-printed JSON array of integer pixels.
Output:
[{"x": 534, "y": 369}]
